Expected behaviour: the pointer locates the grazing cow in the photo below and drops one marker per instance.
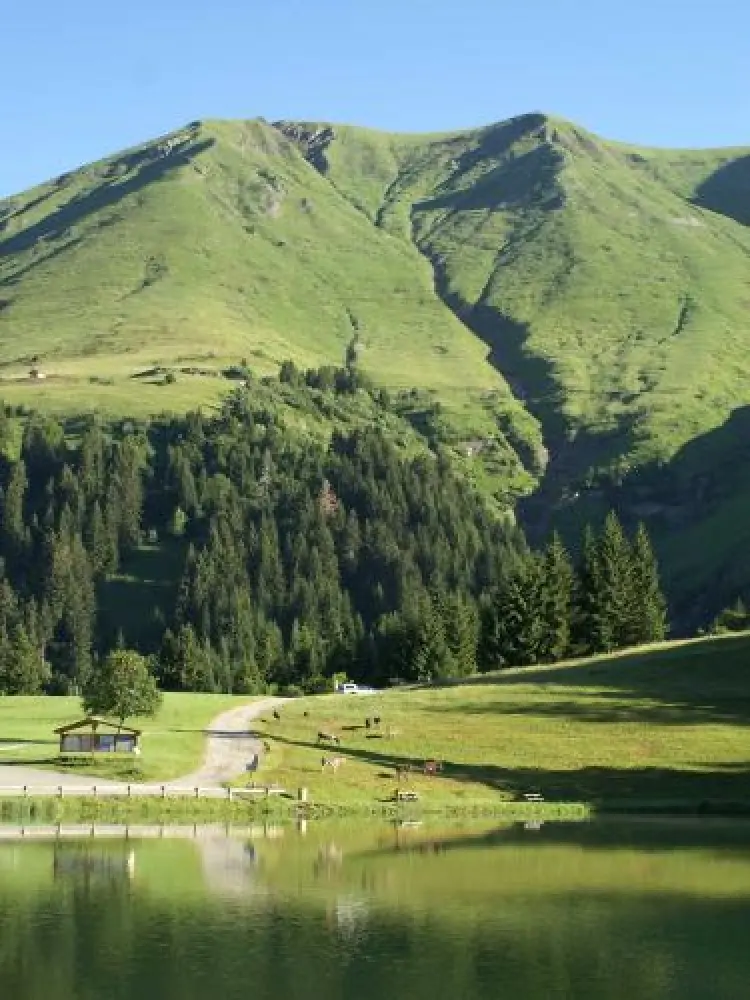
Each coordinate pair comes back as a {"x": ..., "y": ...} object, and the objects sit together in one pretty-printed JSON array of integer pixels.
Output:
[
  {"x": 305, "y": 714},
  {"x": 328, "y": 738},
  {"x": 277, "y": 715},
  {"x": 333, "y": 762},
  {"x": 432, "y": 767},
  {"x": 368, "y": 723},
  {"x": 266, "y": 746},
  {"x": 376, "y": 721}
]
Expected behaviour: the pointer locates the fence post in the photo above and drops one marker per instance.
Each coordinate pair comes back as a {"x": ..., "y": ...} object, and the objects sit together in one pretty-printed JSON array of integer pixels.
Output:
[
  {"x": 197, "y": 793},
  {"x": 130, "y": 791},
  {"x": 229, "y": 794},
  {"x": 60, "y": 790},
  {"x": 25, "y": 791},
  {"x": 94, "y": 790},
  {"x": 164, "y": 791}
]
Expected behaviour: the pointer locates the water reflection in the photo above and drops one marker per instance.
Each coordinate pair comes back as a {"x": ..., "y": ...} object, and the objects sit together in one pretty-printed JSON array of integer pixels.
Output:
[{"x": 586, "y": 911}]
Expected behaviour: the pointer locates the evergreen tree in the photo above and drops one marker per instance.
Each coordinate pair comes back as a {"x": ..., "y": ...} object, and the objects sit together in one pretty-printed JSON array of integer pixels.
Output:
[
  {"x": 513, "y": 624},
  {"x": 22, "y": 668},
  {"x": 555, "y": 594},
  {"x": 648, "y": 617}
]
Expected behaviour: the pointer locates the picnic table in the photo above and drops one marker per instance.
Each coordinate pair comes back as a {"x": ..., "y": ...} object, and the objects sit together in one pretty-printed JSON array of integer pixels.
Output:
[{"x": 404, "y": 795}]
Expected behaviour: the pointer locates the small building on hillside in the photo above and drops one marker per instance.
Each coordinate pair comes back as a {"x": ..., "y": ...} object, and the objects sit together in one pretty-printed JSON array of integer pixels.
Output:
[{"x": 95, "y": 735}]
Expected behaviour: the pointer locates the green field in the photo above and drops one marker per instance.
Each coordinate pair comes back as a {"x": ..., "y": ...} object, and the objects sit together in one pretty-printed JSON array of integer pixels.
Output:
[
  {"x": 654, "y": 728},
  {"x": 658, "y": 728},
  {"x": 173, "y": 741}
]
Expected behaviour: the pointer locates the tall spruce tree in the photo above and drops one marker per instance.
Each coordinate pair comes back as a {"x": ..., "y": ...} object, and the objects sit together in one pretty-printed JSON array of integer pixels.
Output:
[
  {"x": 648, "y": 618},
  {"x": 555, "y": 596},
  {"x": 513, "y": 626},
  {"x": 604, "y": 589}
]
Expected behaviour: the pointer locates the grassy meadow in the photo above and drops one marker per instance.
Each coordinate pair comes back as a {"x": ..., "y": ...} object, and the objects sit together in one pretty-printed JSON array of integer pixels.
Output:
[
  {"x": 653, "y": 728},
  {"x": 662, "y": 728},
  {"x": 173, "y": 740}
]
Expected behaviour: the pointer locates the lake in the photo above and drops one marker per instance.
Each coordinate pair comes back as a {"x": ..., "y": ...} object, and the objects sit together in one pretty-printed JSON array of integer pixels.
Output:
[{"x": 616, "y": 910}]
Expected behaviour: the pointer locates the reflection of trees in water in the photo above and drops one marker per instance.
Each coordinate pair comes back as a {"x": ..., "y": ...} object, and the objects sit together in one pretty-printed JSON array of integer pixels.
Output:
[
  {"x": 84, "y": 863},
  {"x": 339, "y": 943}
]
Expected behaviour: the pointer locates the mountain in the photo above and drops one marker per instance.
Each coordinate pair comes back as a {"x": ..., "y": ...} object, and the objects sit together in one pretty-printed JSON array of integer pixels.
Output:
[{"x": 573, "y": 310}]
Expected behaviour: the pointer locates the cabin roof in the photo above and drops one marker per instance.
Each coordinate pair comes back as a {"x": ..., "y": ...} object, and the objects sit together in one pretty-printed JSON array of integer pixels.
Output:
[{"x": 94, "y": 722}]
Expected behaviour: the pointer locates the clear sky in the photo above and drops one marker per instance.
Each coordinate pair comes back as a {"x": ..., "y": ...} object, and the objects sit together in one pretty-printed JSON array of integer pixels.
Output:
[{"x": 83, "y": 78}]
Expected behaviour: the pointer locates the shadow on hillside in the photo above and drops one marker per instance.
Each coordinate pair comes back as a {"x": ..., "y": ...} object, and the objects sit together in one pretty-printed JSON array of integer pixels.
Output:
[
  {"x": 704, "y": 682},
  {"x": 608, "y": 786},
  {"x": 149, "y": 167},
  {"x": 528, "y": 179},
  {"x": 727, "y": 191}
]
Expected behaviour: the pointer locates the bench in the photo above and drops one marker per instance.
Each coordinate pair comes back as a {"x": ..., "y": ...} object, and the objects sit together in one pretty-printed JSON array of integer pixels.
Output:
[{"x": 406, "y": 796}]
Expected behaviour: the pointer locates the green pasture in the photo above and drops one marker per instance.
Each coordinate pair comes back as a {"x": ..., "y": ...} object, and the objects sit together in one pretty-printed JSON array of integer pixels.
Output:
[
  {"x": 654, "y": 728},
  {"x": 173, "y": 741}
]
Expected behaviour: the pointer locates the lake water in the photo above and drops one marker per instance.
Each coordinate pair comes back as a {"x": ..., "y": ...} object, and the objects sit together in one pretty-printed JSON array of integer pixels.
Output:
[{"x": 624, "y": 911}]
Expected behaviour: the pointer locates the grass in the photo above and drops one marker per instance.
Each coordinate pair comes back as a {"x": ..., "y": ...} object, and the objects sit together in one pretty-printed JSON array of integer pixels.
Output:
[
  {"x": 173, "y": 741},
  {"x": 661, "y": 729}
]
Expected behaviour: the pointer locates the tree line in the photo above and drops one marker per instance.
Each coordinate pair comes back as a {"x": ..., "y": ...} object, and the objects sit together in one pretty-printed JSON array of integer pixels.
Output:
[{"x": 285, "y": 559}]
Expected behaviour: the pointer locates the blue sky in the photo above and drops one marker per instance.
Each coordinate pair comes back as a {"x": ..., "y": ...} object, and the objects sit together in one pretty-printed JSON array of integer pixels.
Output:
[{"x": 81, "y": 78}]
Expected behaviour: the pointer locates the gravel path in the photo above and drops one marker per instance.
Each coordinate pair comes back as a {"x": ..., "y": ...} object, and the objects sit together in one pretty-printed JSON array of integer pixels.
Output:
[{"x": 229, "y": 748}]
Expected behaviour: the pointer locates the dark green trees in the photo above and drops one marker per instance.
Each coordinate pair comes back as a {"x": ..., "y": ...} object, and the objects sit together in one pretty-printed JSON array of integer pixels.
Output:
[
  {"x": 241, "y": 554},
  {"x": 544, "y": 611}
]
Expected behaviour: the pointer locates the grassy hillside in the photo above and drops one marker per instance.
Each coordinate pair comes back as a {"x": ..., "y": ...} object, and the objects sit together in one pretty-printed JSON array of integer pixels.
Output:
[
  {"x": 610, "y": 282},
  {"x": 216, "y": 244},
  {"x": 577, "y": 306},
  {"x": 652, "y": 727}
]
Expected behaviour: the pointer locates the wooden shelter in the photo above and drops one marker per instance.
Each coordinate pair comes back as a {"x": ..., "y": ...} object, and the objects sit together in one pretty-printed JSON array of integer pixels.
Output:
[{"x": 96, "y": 735}]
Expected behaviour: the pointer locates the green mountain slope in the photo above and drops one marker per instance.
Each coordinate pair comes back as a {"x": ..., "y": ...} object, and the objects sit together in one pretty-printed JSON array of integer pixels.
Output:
[
  {"x": 221, "y": 242},
  {"x": 612, "y": 300},
  {"x": 577, "y": 307},
  {"x": 611, "y": 285}
]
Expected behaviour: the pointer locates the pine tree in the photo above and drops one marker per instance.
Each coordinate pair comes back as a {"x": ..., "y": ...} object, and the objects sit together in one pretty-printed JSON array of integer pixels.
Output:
[
  {"x": 22, "y": 668},
  {"x": 648, "y": 618},
  {"x": 513, "y": 624},
  {"x": 585, "y": 624},
  {"x": 555, "y": 594},
  {"x": 461, "y": 630}
]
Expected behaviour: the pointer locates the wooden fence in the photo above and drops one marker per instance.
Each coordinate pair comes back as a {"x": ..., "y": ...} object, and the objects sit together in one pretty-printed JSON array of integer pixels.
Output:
[{"x": 165, "y": 791}]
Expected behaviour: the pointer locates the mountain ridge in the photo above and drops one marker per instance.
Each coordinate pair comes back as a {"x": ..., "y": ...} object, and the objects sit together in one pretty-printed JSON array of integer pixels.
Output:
[{"x": 577, "y": 306}]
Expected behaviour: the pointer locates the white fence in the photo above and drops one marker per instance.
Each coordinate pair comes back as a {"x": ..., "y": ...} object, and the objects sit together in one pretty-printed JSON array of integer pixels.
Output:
[{"x": 109, "y": 791}]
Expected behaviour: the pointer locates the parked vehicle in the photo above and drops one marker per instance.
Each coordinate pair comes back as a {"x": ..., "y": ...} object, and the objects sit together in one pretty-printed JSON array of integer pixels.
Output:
[{"x": 351, "y": 688}]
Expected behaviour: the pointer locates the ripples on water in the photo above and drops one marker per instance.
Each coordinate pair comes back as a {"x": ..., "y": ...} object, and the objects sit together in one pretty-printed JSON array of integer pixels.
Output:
[{"x": 613, "y": 910}]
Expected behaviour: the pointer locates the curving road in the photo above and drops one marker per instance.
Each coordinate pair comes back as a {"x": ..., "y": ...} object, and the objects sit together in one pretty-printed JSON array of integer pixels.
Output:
[{"x": 229, "y": 746}]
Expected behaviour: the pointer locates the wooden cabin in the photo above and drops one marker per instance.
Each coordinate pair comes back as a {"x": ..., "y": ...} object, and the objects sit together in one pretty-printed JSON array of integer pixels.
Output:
[{"x": 95, "y": 735}]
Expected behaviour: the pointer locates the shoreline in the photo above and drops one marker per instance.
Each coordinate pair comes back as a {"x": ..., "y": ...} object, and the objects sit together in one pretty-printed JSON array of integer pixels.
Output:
[{"x": 118, "y": 810}]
